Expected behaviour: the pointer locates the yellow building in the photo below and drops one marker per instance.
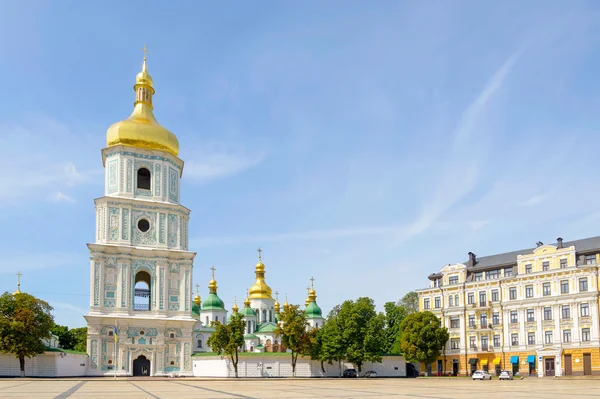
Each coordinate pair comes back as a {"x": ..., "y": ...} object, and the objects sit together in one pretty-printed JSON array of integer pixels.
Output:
[{"x": 533, "y": 311}]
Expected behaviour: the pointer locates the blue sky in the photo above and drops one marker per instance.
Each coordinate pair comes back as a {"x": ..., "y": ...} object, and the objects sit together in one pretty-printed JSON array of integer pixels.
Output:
[{"x": 366, "y": 146}]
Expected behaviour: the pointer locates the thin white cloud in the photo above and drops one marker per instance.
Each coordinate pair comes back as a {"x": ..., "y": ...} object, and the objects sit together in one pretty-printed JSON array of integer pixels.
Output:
[
  {"x": 60, "y": 197},
  {"x": 536, "y": 199},
  {"x": 478, "y": 224},
  {"x": 461, "y": 166},
  {"x": 220, "y": 165},
  {"x": 10, "y": 263}
]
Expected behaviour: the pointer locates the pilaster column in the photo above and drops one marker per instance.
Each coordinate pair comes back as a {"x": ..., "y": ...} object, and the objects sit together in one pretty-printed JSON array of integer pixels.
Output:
[{"x": 575, "y": 333}]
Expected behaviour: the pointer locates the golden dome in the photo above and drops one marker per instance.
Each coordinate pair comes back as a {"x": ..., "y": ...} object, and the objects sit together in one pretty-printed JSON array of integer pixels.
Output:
[
  {"x": 235, "y": 306},
  {"x": 197, "y": 300},
  {"x": 212, "y": 284},
  {"x": 286, "y": 304},
  {"x": 141, "y": 129},
  {"x": 247, "y": 302},
  {"x": 276, "y": 305},
  {"x": 260, "y": 289}
]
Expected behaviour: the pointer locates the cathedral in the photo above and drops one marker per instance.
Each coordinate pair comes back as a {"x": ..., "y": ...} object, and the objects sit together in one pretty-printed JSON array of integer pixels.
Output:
[{"x": 142, "y": 319}]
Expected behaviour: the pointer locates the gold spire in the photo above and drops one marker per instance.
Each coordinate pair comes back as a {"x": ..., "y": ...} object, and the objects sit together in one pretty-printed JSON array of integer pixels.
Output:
[
  {"x": 235, "y": 306},
  {"x": 286, "y": 305},
  {"x": 307, "y": 300},
  {"x": 212, "y": 285},
  {"x": 18, "y": 291},
  {"x": 260, "y": 289},
  {"x": 197, "y": 299},
  {"x": 276, "y": 306},
  {"x": 141, "y": 129},
  {"x": 247, "y": 300},
  {"x": 312, "y": 294}
]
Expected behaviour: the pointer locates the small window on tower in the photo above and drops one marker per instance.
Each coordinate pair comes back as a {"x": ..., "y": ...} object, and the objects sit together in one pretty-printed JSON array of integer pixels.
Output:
[
  {"x": 171, "y": 335},
  {"x": 172, "y": 363},
  {"x": 143, "y": 225},
  {"x": 142, "y": 332},
  {"x": 143, "y": 179}
]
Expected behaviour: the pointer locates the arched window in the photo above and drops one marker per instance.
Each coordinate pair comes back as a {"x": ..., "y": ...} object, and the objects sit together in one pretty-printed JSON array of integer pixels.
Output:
[
  {"x": 206, "y": 321},
  {"x": 141, "y": 300},
  {"x": 172, "y": 335},
  {"x": 216, "y": 318},
  {"x": 143, "y": 178},
  {"x": 199, "y": 343},
  {"x": 270, "y": 315},
  {"x": 264, "y": 315}
]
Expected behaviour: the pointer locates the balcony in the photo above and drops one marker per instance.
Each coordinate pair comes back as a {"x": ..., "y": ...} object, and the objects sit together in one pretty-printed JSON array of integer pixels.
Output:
[
  {"x": 485, "y": 305},
  {"x": 141, "y": 306}
]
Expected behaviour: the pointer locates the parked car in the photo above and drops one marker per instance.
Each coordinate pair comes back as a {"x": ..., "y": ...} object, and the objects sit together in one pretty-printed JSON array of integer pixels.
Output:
[
  {"x": 481, "y": 375},
  {"x": 350, "y": 373},
  {"x": 371, "y": 374},
  {"x": 505, "y": 375}
]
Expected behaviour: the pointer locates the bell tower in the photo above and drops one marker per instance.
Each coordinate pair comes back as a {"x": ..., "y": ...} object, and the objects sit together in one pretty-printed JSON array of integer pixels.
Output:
[{"x": 140, "y": 320}]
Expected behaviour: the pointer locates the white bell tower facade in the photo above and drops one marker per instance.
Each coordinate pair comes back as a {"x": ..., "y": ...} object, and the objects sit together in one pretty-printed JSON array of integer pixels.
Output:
[{"x": 140, "y": 320}]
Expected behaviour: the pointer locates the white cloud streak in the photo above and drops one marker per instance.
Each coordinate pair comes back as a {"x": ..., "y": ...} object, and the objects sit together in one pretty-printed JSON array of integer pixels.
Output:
[
  {"x": 60, "y": 197},
  {"x": 30, "y": 262}
]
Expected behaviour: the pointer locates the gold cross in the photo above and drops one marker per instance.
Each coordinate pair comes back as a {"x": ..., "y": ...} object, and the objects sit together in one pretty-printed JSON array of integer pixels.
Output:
[
  {"x": 247, "y": 292},
  {"x": 197, "y": 286},
  {"x": 259, "y": 253},
  {"x": 276, "y": 295},
  {"x": 19, "y": 279},
  {"x": 145, "y": 50},
  {"x": 312, "y": 282},
  {"x": 308, "y": 289},
  {"x": 213, "y": 271}
]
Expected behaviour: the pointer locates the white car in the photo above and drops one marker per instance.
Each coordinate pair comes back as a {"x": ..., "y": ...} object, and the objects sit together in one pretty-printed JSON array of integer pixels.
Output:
[
  {"x": 481, "y": 375},
  {"x": 505, "y": 375}
]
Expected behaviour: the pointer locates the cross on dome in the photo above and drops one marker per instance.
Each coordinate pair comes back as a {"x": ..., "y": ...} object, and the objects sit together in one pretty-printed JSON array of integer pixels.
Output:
[
  {"x": 259, "y": 254},
  {"x": 213, "y": 271},
  {"x": 312, "y": 282},
  {"x": 145, "y": 50}
]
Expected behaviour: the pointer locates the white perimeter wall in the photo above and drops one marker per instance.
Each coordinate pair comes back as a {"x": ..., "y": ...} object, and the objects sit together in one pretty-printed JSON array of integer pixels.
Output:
[
  {"x": 49, "y": 364},
  {"x": 281, "y": 366}
]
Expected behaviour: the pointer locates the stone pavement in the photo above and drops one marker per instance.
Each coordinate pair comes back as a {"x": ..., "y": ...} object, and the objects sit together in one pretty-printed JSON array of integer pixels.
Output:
[{"x": 189, "y": 388}]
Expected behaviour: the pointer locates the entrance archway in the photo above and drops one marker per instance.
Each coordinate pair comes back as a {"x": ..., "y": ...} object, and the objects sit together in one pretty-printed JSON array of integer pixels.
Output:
[{"x": 141, "y": 367}]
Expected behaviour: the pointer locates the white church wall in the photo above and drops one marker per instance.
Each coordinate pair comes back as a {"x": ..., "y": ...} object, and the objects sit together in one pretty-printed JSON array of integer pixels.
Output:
[
  {"x": 49, "y": 364},
  {"x": 71, "y": 365}
]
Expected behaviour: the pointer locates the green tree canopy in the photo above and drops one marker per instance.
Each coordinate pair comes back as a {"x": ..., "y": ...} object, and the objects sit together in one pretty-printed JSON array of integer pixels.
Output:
[
  {"x": 315, "y": 346},
  {"x": 333, "y": 346},
  {"x": 410, "y": 302},
  {"x": 362, "y": 331},
  {"x": 422, "y": 337},
  {"x": 65, "y": 338},
  {"x": 229, "y": 338},
  {"x": 394, "y": 314},
  {"x": 294, "y": 332},
  {"x": 79, "y": 339},
  {"x": 24, "y": 322}
]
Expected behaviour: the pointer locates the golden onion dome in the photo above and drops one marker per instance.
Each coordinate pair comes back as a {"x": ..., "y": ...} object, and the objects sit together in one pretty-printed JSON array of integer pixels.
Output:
[
  {"x": 247, "y": 302},
  {"x": 197, "y": 300},
  {"x": 260, "y": 289},
  {"x": 286, "y": 304},
  {"x": 141, "y": 129},
  {"x": 235, "y": 306}
]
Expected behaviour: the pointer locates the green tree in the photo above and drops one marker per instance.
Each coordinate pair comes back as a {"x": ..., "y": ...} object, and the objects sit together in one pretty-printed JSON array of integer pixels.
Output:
[
  {"x": 410, "y": 302},
  {"x": 24, "y": 322},
  {"x": 333, "y": 346},
  {"x": 422, "y": 337},
  {"x": 362, "y": 330},
  {"x": 294, "y": 332},
  {"x": 79, "y": 339},
  {"x": 65, "y": 336},
  {"x": 394, "y": 314},
  {"x": 229, "y": 338},
  {"x": 315, "y": 346}
]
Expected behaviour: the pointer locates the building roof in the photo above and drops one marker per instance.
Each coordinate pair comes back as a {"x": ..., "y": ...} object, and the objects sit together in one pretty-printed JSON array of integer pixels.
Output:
[{"x": 267, "y": 327}]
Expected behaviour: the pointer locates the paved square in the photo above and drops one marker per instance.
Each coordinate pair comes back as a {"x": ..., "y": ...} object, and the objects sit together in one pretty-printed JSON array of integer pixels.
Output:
[{"x": 101, "y": 388}]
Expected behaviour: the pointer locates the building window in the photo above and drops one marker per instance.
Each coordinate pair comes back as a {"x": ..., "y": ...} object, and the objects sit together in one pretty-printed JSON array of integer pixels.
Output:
[
  {"x": 563, "y": 265},
  {"x": 531, "y": 338},
  {"x": 548, "y": 337},
  {"x": 199, "y": 343},
  {"x": 426, "y": 303},
  {"x": 471, "y": 298},
  {"x": 590, "y": 259},
  {"x": 484, "y": 321},
  {"x": 512, "y": 293},
  {"x": 583, "y": 285},
  {"x": 495, "y": 296},
  {"x": 508, "y": 272},
  {"x": 471, "y": 321},
  {"x": 496, "y": 319},
  {"x": 216, "y": 319},
  {"x": 584, "y": 309},
  {"x": 514, "y": 317},
  {"x": 545, "y": 266},
  {"x": 566, "y": 312},
  {"x": 143, "y": 179},
  {"x": 530, "y": 315},
  {"x": 453, "y": 280},
  {"x": 585, "y": 334},
  {"x": 514, "y": 339},
  {"x": 438, "y": 302},
  {"x": 478, "y": 276},
  {"x": 496, "y": 341},
  {"x": 492, "y": 274},
  {"x": 451, "y": 301},
  {"x": 456, "y": 301},
  {"x": 564, "y": 287},
  {"x": 548, "y": 313},
  {"x": 454, "y": 323},
  {"x": 455, "y": 344},
  {"x": 529, "y": 291},
  {"x": 484, "y": 343},
  {"x": 567, "y": 336},
  {"x": 472, "y": 343},
  {"x": 546, "y": 289},
  {"x": 482, "y": 299},
  {"x": 437, "y": 282},
  {"x": 527, "y": 269}
]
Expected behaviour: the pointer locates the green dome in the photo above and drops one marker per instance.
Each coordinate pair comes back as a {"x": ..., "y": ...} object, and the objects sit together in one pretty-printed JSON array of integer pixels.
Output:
[
  {"x": 195, "y": 310},
  {"x": 313, "y": 310},
  {"x": 213, "y": 302},
  {"x": 247, "y": 312}
]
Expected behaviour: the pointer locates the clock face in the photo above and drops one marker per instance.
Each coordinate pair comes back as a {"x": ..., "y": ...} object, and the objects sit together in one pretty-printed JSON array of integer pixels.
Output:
[{"x": 143, "y": 225}]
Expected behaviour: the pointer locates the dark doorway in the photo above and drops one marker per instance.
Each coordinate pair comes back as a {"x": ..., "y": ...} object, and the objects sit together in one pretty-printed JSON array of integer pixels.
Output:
[
  {"x": 587, "y": 364},
  {"x": 568, "y": 365},
  {"x": 143, "y": 179},
  {"x": 411, "y": 371},
  {"x": 549, "y": 362},
  {"x": 141, "y": 367},
  {"x": 440, "y": 370},
  {"x": 515, "y": 368},
  {"x": 454, "y": 368}
]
